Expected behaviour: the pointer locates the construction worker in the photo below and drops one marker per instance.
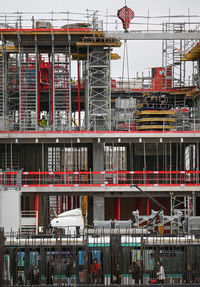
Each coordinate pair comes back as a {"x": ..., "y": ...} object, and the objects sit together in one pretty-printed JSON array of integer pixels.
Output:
[{"x": 43, "y": 122}]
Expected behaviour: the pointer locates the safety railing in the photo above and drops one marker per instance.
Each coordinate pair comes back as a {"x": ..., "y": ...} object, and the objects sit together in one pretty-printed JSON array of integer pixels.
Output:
[
  {"x": 111, "y": 178},
  {"x": 120, "y": 123},
  {"x": 110, "y": 22},
  {"x": 8, "y": 178},
  {"x": 29, "y": 221},
  {"x": 146, "y": 82},
  {"x": 101, "y": 178},
  {"x": 49, "y": 20}
]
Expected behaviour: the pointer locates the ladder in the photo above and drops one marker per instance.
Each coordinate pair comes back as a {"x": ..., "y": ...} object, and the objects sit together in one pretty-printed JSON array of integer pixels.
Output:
[
  {"x": 28, "y": 92},
  {"x": 61, "y": 92}
]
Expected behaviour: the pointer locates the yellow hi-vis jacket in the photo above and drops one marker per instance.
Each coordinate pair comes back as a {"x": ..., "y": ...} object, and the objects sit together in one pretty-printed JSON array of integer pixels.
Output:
[{"x": 43, "y": 122}]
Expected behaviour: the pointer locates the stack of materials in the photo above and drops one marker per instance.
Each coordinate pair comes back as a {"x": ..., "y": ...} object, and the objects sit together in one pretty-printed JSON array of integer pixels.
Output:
[
  {"x": 125, "y": 110},
  {"x": 154, "y": 113}
]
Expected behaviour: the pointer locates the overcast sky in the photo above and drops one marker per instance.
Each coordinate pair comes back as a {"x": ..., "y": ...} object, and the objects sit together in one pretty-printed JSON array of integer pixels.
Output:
[{"x": 142, "y": 54}]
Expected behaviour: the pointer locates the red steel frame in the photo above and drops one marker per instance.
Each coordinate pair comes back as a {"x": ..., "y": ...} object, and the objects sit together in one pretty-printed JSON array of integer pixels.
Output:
[
  {"x": 52, "y": 115},
  {"x": 36, "y": 206},
  {"x": 79, "y": 94},
  {"x": 69, "y": 203},
  {"x": 57, "y": 206},
  {"x": 38, "y": 93},
  {"x": 22, "y": 94},
  {"x": 66, "y": 86},
  {"x": 148, "y": 207}
]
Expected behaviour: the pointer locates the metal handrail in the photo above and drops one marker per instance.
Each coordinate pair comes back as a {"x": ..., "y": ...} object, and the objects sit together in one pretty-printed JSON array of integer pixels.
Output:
[{"x": 104, "y": 178}]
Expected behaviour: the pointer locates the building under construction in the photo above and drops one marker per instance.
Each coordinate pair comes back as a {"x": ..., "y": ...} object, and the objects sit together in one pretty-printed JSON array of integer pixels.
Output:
[{"x": 71, "y": 136}]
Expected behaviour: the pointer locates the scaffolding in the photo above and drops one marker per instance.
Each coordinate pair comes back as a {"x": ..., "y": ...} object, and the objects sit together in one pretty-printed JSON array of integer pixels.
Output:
[
  {"x": 61, "y": 88},
  {"x": 185, "y": 204},
  {"x": 173, "y": 51},
  {"x": 25, "y": 96},
  {"x": 99, "y": 89},
  {"x": 2, "y": 84},
  {"x": 12, "y": 87},
  {"x": 28, "y": 96}
]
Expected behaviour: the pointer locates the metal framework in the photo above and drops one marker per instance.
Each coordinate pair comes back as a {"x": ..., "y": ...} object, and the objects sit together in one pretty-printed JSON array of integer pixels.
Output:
[
  {"x": 105, "y": 178},
  {"x": 28, "y": 91},
  {"x": 61, "y": 88},
  {"x": 185, "y": 204},
  {"x": 173, "y": 51},
  {"x": 144, "y": 220},
  {"x": 22, "y": 81},
  {"x": 12, "y": 121},
  {"x": 173, "y": 223},
  {"x": 99, "y": 89}
]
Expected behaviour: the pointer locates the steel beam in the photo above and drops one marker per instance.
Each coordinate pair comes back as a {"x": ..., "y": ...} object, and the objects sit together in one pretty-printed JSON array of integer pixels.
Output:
[{"x": 151, "y": 35}]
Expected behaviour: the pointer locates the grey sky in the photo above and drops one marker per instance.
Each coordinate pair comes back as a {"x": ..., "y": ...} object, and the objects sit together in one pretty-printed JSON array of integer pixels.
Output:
[{"x": 143, "y": 54}]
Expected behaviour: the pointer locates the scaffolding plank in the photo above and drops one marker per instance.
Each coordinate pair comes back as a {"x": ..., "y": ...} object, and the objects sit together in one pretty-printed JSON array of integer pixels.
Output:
[
  {"x": 155, "y": 127},
  {"x": 155, "y": 112},
  {"x": 193, "y": 54},
  {"x": 155, "y": 120}
]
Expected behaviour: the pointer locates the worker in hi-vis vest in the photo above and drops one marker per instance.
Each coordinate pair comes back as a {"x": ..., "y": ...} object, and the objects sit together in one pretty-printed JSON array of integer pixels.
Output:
[{"x": 43, "y": 122}]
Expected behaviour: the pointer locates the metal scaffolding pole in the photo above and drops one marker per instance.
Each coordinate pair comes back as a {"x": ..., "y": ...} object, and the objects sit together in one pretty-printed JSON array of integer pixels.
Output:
[
  {"x": 184, "y": 204},
  {"x": 53, "y": 82},
  {"x": 37, "y": 118},
  {"x": 86, "y": 71},
  {"x": 3, "y": 88},
  {"x": 69, "y": 83}
]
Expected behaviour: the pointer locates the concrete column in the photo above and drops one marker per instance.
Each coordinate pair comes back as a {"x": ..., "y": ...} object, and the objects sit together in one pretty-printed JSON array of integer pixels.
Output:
[
  {"x": 98, "y": 207},
  {"x": 98, "y": 156},
  {"x": 98, "y": 165}
]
